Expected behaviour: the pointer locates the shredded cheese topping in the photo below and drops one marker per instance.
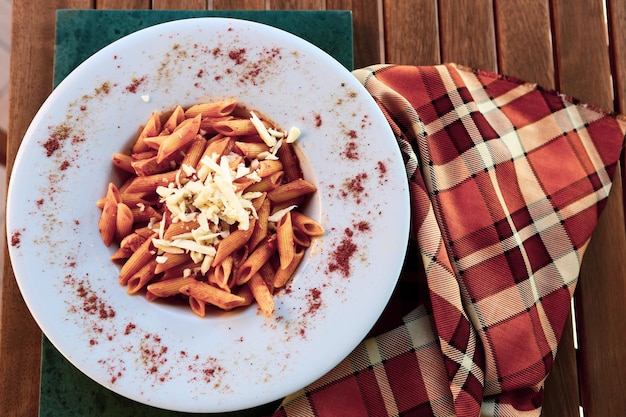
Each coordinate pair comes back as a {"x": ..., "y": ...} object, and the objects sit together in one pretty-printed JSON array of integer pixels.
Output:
[{"x": 210, "y": 196}]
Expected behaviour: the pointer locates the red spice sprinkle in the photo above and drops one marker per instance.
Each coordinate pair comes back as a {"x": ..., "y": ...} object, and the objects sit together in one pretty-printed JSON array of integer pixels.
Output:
[
  {"x": 314, "y": 300},
  {"x": 318, "y": 120},
  {"x": 362, "y": 226},
  {"x": 64, "y": 165},
  {"x": 351, "y": 150},
  {"x": 341, "y": 256},
  {"x": 355, "y": 187},
  {"x": 92, "y": 304},
  {"x": 39, "y": 202},
  {"x": 129, "y": 328},
  {"x": 153, "y": 356},
  {"x": 136, "y": 82},
  {"x": 274, "y": 52},
  {"x": 51, "y": 145},
  {"x": 254, "y": 72},
  {"x": 104, "y": 88},
  {"x": 238, "y": 55},
  {"x": 16, "y": 238},
  {"x": 382, "y": 169},
  {"x": 57, "y": 134}
]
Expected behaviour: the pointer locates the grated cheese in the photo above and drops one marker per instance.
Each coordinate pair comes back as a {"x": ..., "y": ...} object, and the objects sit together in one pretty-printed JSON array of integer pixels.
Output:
[{"x": 210, "y": 197}]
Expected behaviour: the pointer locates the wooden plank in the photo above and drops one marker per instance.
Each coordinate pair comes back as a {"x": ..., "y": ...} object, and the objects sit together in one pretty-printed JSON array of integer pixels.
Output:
[
  {"x": 617, "y": 48},
  {"x": 238, "y": 5},
  {"x": 295, "y": 4},
  {"x": 411, "y": 34},
  {"x": 3, "y": 147},
  {"x": 601, "y": 319},
  {"x": 122, "y": 4},
  {"x": 584, "y": 71},
  {"x": 523, "y": 37},
  {"x": 617, "y": 42},
  {"x": 582, "y": 51},
  {"x": 561, "y": 398},
  {"x": 468, "y": 38},
  {"x": 180, "y": 4},
  {"x": 32, "y": 53},
  {"x": 367, "y": 29}
]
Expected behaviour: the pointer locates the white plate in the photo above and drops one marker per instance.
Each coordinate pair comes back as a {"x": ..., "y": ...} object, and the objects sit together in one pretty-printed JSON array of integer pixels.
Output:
[{"x": 166, "y": 356}]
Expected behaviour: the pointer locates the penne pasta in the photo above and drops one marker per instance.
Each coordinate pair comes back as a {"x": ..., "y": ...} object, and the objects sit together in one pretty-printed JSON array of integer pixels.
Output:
[
  {"x": 150, "y": 166},
  {"x": 140, "y": 278},
  {"x": 305, "y": 224},
  {"x": 290, "y": 162},
  {"x": 251, "y": 150},
  {"x": 268, "y": 273},
  {"x": 176, "y": 229},
  {"x": 218, "y": 145},
  {"x": 123, "y": 221},
  {"x": 212, "y": 295},
  {"x": 169, "y": 287},
  {"x": 170, "y": 260},
  {"x": 132, "y": 242},
  {"x": 107, "y": 224},
  {"x": 197, "y": 306},
  {"x": 148, "y": 184},
  {"x": 283, "y": 275},
  {"x": 176, "y": 118},
  {"x": 212, "y": 109},
  {"x": 262, "y": 294},
  {"x": 137, "y": 260},
  {"x": 235, "y": 127},
  {"x": 291, "y": 190},
  {"x": 124, "y": 162},
  {"x": 151, "y": 128},
  {"x": 261, "y": 227},
  {"x": 267, "y": 184},
  {"x": 261, "y": 254},
  {"x": 246, "y": 295},
  {"x": 194, "y": 152},
  {"x": 268, "y": 167},
  {"x": 179, "y": 138},
  {"x": 207, "y": 123},
  {"x": 284, "y": 239},
  {"x": 145, "y": 214},
  {"x": 209, "y": 209},
  {"x": 222, "y": 273},
  {"x": 232, "y": 242}
]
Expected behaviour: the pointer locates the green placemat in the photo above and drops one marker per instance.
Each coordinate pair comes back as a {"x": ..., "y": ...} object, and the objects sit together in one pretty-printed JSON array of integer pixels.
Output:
[{"x": 65, "y": 391}]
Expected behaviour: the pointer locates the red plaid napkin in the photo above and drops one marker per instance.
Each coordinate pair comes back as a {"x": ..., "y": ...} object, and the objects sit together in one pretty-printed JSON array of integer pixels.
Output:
[{"x": 507, "y": 181}]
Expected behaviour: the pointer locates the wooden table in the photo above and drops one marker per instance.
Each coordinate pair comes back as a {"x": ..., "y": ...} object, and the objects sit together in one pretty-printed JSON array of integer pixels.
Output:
[{"x": 566, "y": 45}]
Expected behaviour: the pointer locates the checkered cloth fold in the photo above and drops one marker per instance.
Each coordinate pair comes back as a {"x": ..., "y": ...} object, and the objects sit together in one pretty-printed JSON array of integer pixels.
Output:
[{"x": 507, "y": 181}]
